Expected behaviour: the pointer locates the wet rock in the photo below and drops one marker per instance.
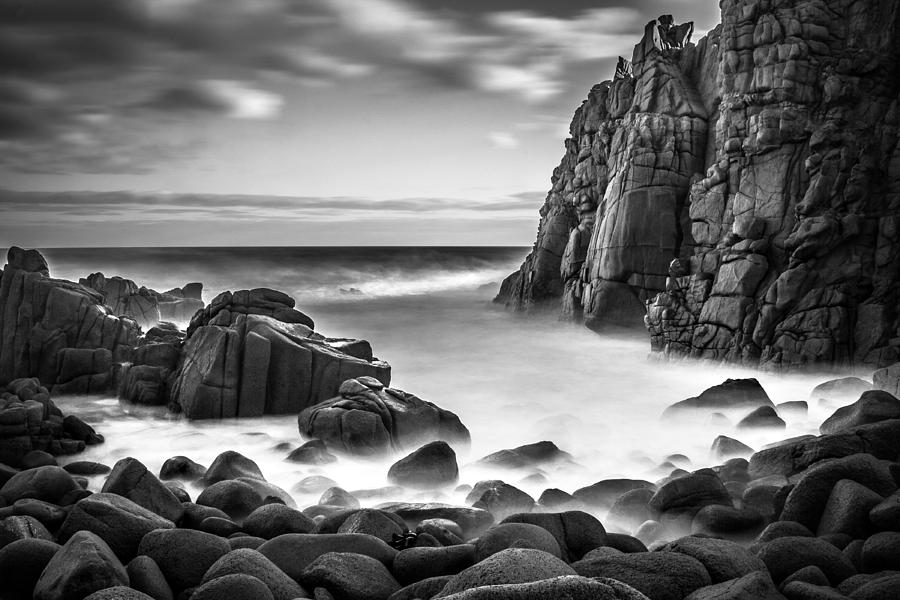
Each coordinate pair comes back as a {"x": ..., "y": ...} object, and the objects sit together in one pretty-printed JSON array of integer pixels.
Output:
[
  {"x": 416, "y": 564},
  {"x": 119, "y": 592},
  {"x": 145, "y": 576},
  {"x": 294, "y": 552},
  {"x": 724, "y": 447},
  {"x": 472, "y": 521},
  {"x": 753, "y": 586},
  {"x": 235, "y": 498},
  {"x": 313, "y": 452},
  {"x": 576, "y": 532},
  {"x": 881, "y": 552},
  {"x": 21, "y": 527},
  {"x": 231, "y": 465},
  {"x": 807, "y": 500},
  {"x": 250, "y": 353},
  {"x": 314, "y": 484},
  {"x": 727, "y": 521},
  {"x": 499, "y": 498},
  {"x": 529, "y": 455},
  {"x": 847, "y": 510},
  {"x": 515, "y": 535},
  {"x": 269, "y": 492},
  {"x": 785, "y": 555},
  {"x": 183, "y": 555},
  {"x": 234, "y": 587},
  {"x": 882, "y": 588},
  {"x": 604, "y": 493},
  {"x": 22, "y": 563},
  {"x": 250, "y": 562},
  {"x": 350, "y": 576},
  {"x": 691, "y": 492},
  {"x": 338, "y": 496},
  {"x": 659, "y": 575},
  {"x": 556, "y": 499},
  {"x": 732, "y": 393},
  {"x": 432, "y": 465},
  {"x": 427, "y": 588},
  {"x": 369, "y": 418},
  {"x": 372, "y": 522},
  {"x": 886, "y": 514},
  {"x": 873, "y": 406},
  {"x": 723, "y": 560},
  {"x": 762, "y": 417},
  {"x": 118, "y": 521},
  {"x": 83, "y": 565},
  {"x": 181, "y": 467},
  {"x": 86, "y": 467},
  {"x": 50, "y": 484},
  {"x": 565, "y": 586},
  {"x": 845, "y": 388},
  {"x": 514, "y": 565},
  {"x": 272, "y": 520},
  {"x": 131, "y": 479}
]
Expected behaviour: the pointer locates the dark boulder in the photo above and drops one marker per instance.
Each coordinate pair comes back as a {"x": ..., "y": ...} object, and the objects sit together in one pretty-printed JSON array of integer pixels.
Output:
[
  {"x": 724, "y": 447},
  {"x": 22, "y": 563},
  {"x": 294, "y": 552},
  {"x": 82, "y": 566},
  {"x": 847, "y": 510},
  {"x": 604, "y": 493},
  {"x": 350, "y": 576},
  {"x": 515, "y": 535},
  {"x": 762, "y": 417},
  {"x": 119, "y": 592},
  {"x": 873, "y": 406},
  {"x": 131, "y": 479},
  {"x": 183, "y": 555},
  {"x": 529, "y": 455},
  {"x": 231, "y": 465},
  {"x": 235, "y": 498},
  {"x": 514, "y": 565},
  {"x": 732, "y": 393},
  {"x": 181, "y": 467},
  {"x": 723, "y": 560},
  {"x": 313, "y": 452},
  {"x": 841, "y": 389},
  {"x": 570, "y": 587},
  {"x": 118, "y": 521},
  {"x": 237, "y": 586},
  {"x": 369, "y": 418},
  {"x": 499, "y": 498},
  {"x": 272, "y": 520},
  {"x": 886, "y": 514},
  {"x": 373, "y": 522},
  {"x": 659, "y": 575},
  {"x": 22, "y": 527},
  {"x": 472, "y": 521},
  {"x": 250, "y": 562},
  {"x": 576, "y": 532},
  {"x": 432, "y": 465},
  {"x": 145, "y": 576},
  {"x": 727, "y": 521},
  {"x": 415, "y": 564},
  {"x": 881, "y": 552},
  {"x": 785, "y": 555},
  {"x": 50, "y": 484},
  {"x": 691, "y": 492},
  {"x": 753, "y": 586}
]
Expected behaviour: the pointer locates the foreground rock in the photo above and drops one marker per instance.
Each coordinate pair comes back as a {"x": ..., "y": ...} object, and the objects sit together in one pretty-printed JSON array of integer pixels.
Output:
[
  {"x": 250, "y": 353},
  {"x": 56, "y": 330},
  {"x": 369, "y": 418}
]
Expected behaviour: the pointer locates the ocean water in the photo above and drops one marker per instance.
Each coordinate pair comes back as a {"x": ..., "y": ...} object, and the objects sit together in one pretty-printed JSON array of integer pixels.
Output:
[{"x": 428, "y": 312}]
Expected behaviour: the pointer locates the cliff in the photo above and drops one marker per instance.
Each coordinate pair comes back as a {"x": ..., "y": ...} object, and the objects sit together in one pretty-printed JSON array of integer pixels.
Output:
[{"x": 740, "y": 195}]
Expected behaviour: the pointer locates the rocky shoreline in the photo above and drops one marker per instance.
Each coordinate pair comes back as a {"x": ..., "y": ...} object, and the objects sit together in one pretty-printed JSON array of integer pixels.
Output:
[{"x": 810, "y": 517}]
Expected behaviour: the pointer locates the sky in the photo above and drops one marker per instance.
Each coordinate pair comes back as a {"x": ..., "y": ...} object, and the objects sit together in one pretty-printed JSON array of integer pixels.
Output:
[{"x": 296, "y": 122}]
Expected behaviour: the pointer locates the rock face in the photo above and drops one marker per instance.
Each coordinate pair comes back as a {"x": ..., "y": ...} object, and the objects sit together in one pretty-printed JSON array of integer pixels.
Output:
[
  {"x": 56, "y": 330},
  {"x": 369, "y": 418},
  {"x": 616, "y": 214},
  {"x": 250, "y": 353},
  {"x": 147, "y": 307},
  {"x": 748, "y": 186}
]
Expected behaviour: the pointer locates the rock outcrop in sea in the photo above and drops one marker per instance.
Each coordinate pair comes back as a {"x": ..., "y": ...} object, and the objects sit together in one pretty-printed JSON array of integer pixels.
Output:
[{"x": 743, "y": 193}]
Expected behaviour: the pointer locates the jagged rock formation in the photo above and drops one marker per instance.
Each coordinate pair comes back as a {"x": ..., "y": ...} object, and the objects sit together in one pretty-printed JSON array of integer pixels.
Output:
[
  {"x": 29, "y": 420},
  {"x": 786, "y": 252},
  {"x": 369, "y": 418},
  {"x": 147, "y": 307},
  {"x": 252, "y": 353},
  {"x": 56, "y": 330},
  {"x": 616, "y": 215}
]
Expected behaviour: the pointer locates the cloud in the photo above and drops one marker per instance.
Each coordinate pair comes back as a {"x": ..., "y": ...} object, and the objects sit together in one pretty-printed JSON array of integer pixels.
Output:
[
  {"x": 503, "y": 140},
  {"x": 153, "y": 66}
]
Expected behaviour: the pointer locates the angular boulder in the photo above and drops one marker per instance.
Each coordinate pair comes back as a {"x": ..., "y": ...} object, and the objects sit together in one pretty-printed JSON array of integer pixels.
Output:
[{"x": 369, "y": 418}]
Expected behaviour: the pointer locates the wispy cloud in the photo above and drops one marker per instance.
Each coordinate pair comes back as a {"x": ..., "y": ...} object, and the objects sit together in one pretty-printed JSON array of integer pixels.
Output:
[{"x": 503, "y": 140}]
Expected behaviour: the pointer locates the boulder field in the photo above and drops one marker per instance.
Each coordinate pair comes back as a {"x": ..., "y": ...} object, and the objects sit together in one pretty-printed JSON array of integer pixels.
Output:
[
  {"x": 741, "y": 193},
  {"x": 814, "y": 518}
]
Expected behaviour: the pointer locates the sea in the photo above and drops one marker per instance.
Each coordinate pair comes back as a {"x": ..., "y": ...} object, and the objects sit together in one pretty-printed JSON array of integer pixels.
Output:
[{"x": 428, "y": 311}]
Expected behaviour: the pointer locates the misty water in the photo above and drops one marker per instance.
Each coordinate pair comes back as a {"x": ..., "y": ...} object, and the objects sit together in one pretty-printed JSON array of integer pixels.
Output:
[{"x": 428, "y": 312}]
